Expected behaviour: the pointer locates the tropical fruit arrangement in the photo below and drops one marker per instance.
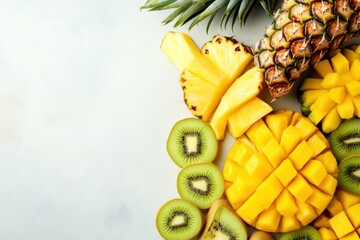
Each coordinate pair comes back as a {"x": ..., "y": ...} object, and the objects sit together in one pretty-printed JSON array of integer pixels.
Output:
[{"x": 288, "y": 174}]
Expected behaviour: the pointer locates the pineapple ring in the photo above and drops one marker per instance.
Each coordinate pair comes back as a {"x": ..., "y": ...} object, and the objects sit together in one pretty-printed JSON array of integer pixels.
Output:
[{"x": 281, "y": 174}]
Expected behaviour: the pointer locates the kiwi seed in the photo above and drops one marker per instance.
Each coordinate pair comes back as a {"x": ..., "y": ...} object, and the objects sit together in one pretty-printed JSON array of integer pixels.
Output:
[
  {"x": 191, "y": 140},
  {"x": 201, "y": 184},
  {"x": 349, "y": 174},
  {"x": 345, "y": 140},
  {"x": 179, "y": 219},
  {"x": 306, "y": 233}
]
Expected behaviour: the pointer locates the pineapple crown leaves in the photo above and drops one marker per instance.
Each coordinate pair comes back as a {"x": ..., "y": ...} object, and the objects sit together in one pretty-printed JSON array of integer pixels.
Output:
[{"x": 195, "y": 11}]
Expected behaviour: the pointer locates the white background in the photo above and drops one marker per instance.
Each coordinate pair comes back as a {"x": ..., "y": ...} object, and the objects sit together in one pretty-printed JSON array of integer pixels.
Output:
[{"x": 87, "y": 99}]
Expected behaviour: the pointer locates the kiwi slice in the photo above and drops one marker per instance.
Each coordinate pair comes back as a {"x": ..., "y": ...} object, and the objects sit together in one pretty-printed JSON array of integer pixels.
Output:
[
  {"x": 191, "y": 140},
  {"x": 349, "y": 174},
  {"x": 223, "y": 223},
  {"x": 179, "y": 219},
  {"x": 306, "y": 233},
  {"x": 345, "y": 140},
  {"x": 201, "y": 184}
]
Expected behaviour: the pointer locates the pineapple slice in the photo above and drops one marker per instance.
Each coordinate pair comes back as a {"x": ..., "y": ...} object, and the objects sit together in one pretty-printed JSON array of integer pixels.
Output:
[
  {"x": 207, "y": 73},
  {"x": 294, "y": 177},
  {"x": 341, "y": 218},
  {"x": 336, "y": 97},
  {"x": 245, "y": 88}
]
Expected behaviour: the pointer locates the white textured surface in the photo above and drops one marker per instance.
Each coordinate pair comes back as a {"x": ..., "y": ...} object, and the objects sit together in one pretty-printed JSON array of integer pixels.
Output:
[{"x": 87, "y": 99}]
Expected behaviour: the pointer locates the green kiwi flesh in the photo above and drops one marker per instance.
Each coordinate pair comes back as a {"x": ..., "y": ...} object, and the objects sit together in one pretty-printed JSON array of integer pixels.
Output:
[
  {"x": 306, "y": 233},
  {"x": 345, "y": 140},
  {"x": 349, "y": 174},
  {"x": 223, "y": 223},
  {"x": 179, "y": 219},
  {"x": 201, "y": 184},
  {"x": 191, "y": 140}
]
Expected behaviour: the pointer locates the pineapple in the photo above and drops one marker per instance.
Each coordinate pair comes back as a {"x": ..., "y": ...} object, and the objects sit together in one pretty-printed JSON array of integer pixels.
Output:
[
  {"x": 205, "y": 78},
  {"x": 331, "y": 94},
  {"x": 198, "y": 10},
  {"x": 341, "y": 219},
  {"x": 280, "y": 174},
  {"x": 302, "y": 33}
]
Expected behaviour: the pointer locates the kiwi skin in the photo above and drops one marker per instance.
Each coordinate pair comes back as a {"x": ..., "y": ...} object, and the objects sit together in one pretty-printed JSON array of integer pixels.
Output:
[
  {"x": 179, "y": 208},
  {"x": 308, "y": 232},
  {"x": 349, "y": 174},
  {"x": 345, "y": 140},
  {"x": 182, "y": 147}
]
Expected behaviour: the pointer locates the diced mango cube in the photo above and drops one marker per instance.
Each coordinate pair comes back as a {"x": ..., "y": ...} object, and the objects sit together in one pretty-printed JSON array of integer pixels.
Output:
[
  {"x": 259, "y": 133},
  {"x": 329, "y": 161},
  {"x": 244, "y": 186},
  {"x": 331, "y": 121},
  {"x": 310, "y": 83},
  {"x": 285, "y": 172},
  {"x": 322, "y": 222},
  {"x": 351, "y": 236},
  {"x": 346, "y": 108},
  {"x": 309, "y": 97},
  {"x": 314, "y": 171},
  {"x": 353, "y": 88},
  {"x": 328, "y": 184},
  {"x": 290, "y": 137},
  {"x": 258, "y": 167},
  {"x": 327, "y": 234},
  {"x": 338, "y": 94},
  {"x": 346, "y": 78},
  {"x": 273, "y": 152},
  {"x": 317, "y": 114},
  {"x": 353, "y": 213},
  {"x": 347, "y": 199},
  {"x": 323, "y": 67},
  {"x": 285, "y": 203},
  {"x": 331, "y": 80},
  {"x": 306, "y": 127},
  {"x": 277, "y": 122},
  {"x": 300, "y": 188},
  {"x": 269, "y": 190},
  {"x": 240, "y": 153},
  {"x": 350, "y": 55},
  {"x": 289, "y": 223},
  {"x": 318, "y": 143},
  {"x": 341, "y": 224},
  {"x": 230, "y": 171},
  {"x": 340, "y": 63},
  {"x": 319, "y": 199},
  {"x": 323, "y": 102},
  {"x": 301, "y": 155},
  {"x": 250, "y": 210},
  {"x": 306, "y": 213},
  {"x": 233, "y": 196},
  {"x": 354, "y": 69},
  {"x": 268, "y": 220}
]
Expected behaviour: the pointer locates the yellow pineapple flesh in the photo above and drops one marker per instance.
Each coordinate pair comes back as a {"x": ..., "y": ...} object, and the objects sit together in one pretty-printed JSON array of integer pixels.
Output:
[
  {"x": 302, "y": 33},
  {"x": 280, "y": 173},
  {"x": 204, "y": 75},
  {"x": 331, "y": 93}
]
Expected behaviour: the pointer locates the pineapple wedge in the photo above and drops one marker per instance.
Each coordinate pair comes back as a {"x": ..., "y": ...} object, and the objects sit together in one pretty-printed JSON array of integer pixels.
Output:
[
  {"x": 215, "y": 67},
  {"x": 243, "y": 89}
]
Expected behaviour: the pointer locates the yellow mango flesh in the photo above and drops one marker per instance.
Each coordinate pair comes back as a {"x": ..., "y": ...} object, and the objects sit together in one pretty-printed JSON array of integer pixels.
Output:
[
  {"x": 335, "y": 95},
  {"x": 341, "y": 217},
  {"x": 293, "y": 186}
]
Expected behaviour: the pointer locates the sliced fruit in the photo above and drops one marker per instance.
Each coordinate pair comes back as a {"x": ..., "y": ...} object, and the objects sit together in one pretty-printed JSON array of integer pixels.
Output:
[
  {"x": 345, "y": 140},
  {"x": 179, "y": 219},
  {"x": 341, "y": 218},
  {"x": 206, "y": 74},
  {"x": 349, "y": 174},
  {"x": 191, "y": 141},
  {"x": 223, "y": 223},
  {"x": 201, "y": 183},
  {"x": 246, "y": 87},
  {"x": 307, "y": 232},
  {"x": 292, "y": 172},
  {"x": 334, "y": 98}
]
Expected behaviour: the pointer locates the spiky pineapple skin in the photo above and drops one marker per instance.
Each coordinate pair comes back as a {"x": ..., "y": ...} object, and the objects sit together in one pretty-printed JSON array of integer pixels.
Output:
[{"x": 302, "y": 33}]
